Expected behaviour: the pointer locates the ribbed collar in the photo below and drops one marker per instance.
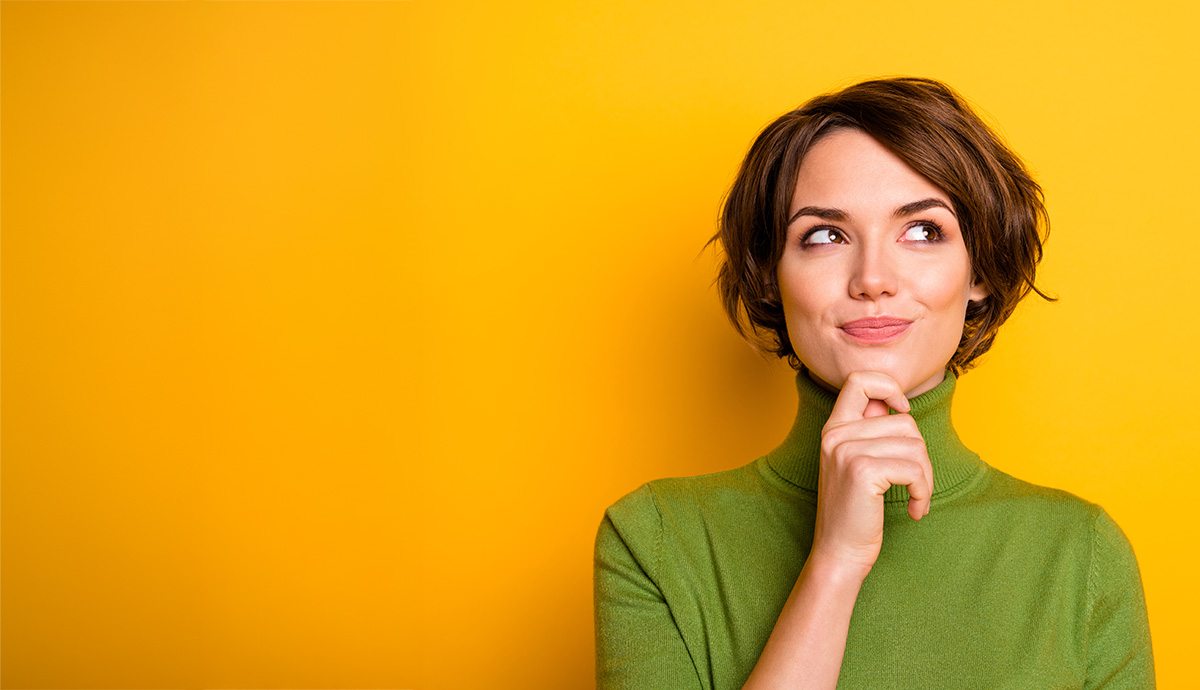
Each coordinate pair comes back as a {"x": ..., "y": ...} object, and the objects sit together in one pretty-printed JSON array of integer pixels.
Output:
[{"x": 798, "y": 458}]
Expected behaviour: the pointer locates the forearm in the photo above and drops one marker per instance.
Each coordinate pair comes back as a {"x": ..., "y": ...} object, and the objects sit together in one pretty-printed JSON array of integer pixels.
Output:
[{"x": 806, "y": 646}]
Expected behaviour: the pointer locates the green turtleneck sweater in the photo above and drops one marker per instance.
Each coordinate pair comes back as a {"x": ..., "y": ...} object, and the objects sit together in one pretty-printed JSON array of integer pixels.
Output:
[{"x": 1004, "y": 584}]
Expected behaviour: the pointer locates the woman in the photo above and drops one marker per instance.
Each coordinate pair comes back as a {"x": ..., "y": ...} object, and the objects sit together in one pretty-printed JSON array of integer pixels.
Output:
[{"x": 879, "y": 237}]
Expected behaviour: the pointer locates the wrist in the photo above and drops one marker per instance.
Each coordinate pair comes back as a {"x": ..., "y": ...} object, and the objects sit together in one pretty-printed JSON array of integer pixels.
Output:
[{"x": 835, "y": 573}]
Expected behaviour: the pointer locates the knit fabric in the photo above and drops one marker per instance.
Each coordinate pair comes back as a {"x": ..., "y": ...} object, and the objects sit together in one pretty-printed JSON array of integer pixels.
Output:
[{"x": 1004, "y": 584}]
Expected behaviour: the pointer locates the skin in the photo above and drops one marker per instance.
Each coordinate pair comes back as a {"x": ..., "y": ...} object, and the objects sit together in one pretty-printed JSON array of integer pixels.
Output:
[
  {"x": 872, "y": 263},
  {"x": 866, "y": 261}
]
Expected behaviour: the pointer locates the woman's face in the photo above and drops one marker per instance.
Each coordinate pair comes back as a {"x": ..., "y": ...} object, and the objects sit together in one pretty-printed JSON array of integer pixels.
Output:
[{"x": 871, "y": 237}]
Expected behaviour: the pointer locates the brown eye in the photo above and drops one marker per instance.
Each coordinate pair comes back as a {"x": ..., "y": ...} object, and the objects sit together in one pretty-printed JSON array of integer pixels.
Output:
[
  {"x": 923, "y": 232},
  {"x": 824, "y": 236}
]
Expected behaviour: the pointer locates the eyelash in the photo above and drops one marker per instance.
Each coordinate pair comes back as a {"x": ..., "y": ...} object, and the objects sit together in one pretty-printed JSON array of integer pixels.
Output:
[{"x": 941, "y": 235}]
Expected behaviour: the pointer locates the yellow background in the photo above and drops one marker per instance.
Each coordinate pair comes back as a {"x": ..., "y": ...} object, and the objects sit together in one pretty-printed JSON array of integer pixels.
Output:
[{"x": 331, "y": 328}]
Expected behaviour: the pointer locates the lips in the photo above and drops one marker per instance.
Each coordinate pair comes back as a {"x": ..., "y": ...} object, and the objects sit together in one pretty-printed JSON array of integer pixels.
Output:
[{"x": 877, "y": 329}]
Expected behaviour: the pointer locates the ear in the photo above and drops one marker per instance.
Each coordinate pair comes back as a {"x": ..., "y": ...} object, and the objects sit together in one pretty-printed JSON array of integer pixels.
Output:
[{"x": 979, "y": 291}]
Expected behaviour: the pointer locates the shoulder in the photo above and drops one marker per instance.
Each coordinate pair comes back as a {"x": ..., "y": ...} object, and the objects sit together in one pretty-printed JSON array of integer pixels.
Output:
[
  {"x": 1114, "y": 568},
  {"x": 1022, "y": 499},
  {"x": 633, "y": 526},
  {"x": 672, "y": 496},
  {"x": 684, "y": 513},
  {"x": 1057, "y": 513},
  {"x": 682, "y": 504}
]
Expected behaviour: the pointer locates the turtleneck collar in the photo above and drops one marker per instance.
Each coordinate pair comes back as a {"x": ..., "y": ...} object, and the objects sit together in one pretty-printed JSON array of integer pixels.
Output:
[{"x": 798, "y": 458}]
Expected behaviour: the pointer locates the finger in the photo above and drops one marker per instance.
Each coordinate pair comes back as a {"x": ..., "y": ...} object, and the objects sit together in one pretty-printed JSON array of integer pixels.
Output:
[
  {"x": 895, "y": 425},
  {"x": 869, "y": 459},
  {"x": 886, "y": 471},
  {"x": 860, "y": 389},
  {"x": 876, "y": 408},
  {"x": 900, "y": 447},
  {"x": 927, "y": 466},
  {"x": 911, "y": 474},
  {"x": 890, "y": 437}
]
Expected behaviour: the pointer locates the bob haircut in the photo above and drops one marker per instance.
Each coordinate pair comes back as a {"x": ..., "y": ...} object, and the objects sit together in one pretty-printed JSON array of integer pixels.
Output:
[{"x": 999, "y": 206}]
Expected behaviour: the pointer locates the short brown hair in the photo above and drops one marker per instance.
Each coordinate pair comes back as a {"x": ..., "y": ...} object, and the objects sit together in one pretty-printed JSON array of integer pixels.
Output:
[{"x": 999, "y": 206}]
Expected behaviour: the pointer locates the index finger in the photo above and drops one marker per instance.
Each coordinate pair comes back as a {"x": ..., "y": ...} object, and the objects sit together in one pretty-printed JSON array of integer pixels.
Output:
[{"x": 860, "y": 389}]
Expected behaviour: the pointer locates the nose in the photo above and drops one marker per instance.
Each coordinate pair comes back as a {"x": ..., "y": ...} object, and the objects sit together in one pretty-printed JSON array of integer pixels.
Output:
[{"x": 874, "y": 272}]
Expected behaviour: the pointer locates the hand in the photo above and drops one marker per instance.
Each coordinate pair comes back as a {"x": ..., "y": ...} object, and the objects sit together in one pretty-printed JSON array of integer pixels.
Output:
[{"x": 864, "y": 450}]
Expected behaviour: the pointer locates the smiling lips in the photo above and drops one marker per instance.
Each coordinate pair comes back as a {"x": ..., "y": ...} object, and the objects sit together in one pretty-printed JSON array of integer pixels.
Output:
[{"x": 876, "y": 330}]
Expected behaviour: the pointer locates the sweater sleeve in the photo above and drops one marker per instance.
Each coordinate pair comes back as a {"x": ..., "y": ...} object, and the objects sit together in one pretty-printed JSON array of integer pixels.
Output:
[
  {"x": 638, "y": 644},
  {"x": 1118, "y": 631}
]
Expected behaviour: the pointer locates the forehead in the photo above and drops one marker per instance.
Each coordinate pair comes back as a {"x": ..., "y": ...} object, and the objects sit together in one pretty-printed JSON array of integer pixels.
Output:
[{"x": 851, "y": 170}]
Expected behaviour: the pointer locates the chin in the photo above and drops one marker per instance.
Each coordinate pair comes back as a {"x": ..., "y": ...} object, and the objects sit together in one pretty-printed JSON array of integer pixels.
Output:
[{"x": 904, "y": 374}]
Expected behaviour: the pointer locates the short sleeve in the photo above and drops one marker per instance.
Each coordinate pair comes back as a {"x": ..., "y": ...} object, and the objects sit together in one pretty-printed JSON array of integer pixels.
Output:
[
  {"x": 638, "y": 644},
  {"x": 1119, "y": 655}
]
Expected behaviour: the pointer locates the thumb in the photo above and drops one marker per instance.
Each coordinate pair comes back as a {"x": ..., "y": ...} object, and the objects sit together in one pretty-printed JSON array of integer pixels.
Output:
[{"x": 876, "y": 408}]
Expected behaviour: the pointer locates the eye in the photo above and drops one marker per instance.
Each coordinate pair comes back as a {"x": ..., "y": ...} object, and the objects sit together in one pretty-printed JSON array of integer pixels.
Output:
[
  {"x": 824, "y": 236},
  {"x": 924, "y": 231}
]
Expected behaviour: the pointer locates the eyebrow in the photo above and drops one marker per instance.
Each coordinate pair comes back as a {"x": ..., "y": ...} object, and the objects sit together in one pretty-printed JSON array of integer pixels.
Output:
[{"x": 840, "y": 215}]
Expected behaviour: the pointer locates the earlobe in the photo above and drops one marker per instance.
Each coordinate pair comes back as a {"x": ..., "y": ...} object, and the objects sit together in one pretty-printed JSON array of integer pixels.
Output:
[{"x": 978, "y": 292}]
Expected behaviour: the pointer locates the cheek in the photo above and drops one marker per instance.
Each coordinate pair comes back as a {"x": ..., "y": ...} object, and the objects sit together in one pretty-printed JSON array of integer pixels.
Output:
[
  {"x": 804, "y": 297},
  {"x": 946, "y": 300},
  {"x": 807, "y": 303},
  {"x": 947, "y": 283}
]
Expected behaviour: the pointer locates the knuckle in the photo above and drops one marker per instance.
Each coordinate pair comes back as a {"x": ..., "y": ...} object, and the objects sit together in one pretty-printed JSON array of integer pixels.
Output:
[
  {"x": 830, "y": 442},
  {"x": 861, "y": 470},
  {"x": 840, "y": 454}
]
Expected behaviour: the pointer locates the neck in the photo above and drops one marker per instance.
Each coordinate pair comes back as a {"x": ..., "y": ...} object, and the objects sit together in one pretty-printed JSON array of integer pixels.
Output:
[{"x": 798, "y": 458}]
